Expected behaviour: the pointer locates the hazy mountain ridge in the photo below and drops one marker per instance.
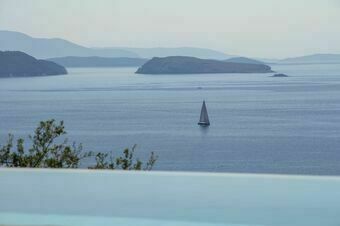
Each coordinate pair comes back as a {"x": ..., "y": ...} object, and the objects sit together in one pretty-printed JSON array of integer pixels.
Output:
[
  {"x": 313, "y": 59},
  {"x": 55, "y": 47},
  {"x": 193, "y": 65},
  {"x": 244, "y": 60},
  {"x": 43, "y": 48},
  {"x": 73, "y": 61},
  {"x": 19, "y": 64},
  {"x": 178, "y": 51}
]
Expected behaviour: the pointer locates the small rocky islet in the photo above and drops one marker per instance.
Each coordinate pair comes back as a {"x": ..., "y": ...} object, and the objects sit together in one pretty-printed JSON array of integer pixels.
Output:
[{"x": 279, "y": 75}]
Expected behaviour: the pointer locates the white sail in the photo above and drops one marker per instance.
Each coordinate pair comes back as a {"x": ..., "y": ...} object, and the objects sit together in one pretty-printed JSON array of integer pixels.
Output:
[{"x": 204, "y": 118}]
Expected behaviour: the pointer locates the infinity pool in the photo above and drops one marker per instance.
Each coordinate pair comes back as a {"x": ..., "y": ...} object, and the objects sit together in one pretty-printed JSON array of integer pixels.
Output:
[{"x": 107, "y": 198}]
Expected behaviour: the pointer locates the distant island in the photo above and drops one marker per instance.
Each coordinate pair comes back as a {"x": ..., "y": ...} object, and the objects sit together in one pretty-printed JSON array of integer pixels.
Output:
[
  {"x": 192, "y": 65},
  {"x": 73, "y": 61},
  {"x": 19, "y": 64},
  {"x": 244, "y": 60},
  {"x": 279, "y": 75}
]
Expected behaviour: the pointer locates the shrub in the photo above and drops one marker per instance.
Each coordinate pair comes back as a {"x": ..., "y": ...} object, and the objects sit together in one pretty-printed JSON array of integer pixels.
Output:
[{"x": 46, "y": 152}]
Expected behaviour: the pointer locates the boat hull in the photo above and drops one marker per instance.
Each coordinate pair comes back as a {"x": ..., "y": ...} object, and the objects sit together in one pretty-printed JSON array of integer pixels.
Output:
[{"x": 203, "y": 124}]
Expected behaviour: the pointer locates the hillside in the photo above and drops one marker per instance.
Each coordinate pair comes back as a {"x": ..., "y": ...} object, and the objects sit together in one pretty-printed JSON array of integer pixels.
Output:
[
  {"x": 43, "y": 48},
  {"x": 98, "y": 61},
  {"x": 192, "y": 65},
  {"x": 313, "y": 59},
  {"x": 181, "y": 51},
  {"x": 19, "y": 64},
  {"x": 56, "y": 47}
]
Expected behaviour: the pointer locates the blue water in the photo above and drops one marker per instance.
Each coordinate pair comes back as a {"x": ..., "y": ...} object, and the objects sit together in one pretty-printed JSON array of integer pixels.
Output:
[{"x": 259, "y": 124}]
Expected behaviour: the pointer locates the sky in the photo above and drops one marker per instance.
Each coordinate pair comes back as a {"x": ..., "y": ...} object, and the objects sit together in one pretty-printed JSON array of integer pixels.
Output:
[{"x": 254, "y": 28}]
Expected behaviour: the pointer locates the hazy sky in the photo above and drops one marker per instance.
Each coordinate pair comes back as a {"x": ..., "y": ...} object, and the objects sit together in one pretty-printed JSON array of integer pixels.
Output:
[{"x": 261, "y": 28}]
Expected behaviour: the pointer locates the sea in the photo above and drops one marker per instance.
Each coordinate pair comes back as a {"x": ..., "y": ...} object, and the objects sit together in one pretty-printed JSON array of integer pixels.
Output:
[{"x": 259, "y": 123}]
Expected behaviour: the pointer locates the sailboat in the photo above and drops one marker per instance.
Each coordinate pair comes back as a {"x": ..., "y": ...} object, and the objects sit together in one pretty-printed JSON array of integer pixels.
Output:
[{"x": 204, "y": 118}]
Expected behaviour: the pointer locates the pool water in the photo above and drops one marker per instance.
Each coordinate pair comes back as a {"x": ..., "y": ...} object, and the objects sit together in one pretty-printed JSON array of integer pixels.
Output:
[
  {"x": 105, "y": 198},
  {"x": 38, "y": 219}
]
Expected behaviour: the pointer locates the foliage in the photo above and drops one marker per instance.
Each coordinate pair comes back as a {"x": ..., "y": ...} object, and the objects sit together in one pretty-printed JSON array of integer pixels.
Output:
[
  {"x": 124, "y": 162},
  {"x": 46, "y": 152}
]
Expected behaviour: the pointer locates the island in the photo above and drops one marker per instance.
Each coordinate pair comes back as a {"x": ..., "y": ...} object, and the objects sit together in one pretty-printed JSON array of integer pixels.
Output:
[
  {"x": 279, "y": 75},
  {"x": 193, "y": 65},
  {"x": 95, "y": 61},
  {"x": 20, "y": 64}
]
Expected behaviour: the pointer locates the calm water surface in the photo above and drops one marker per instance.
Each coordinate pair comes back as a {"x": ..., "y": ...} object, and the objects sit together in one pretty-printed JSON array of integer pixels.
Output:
[
  {"x": 259, "y": 124},
  {"x": 113, "y": 198}
]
